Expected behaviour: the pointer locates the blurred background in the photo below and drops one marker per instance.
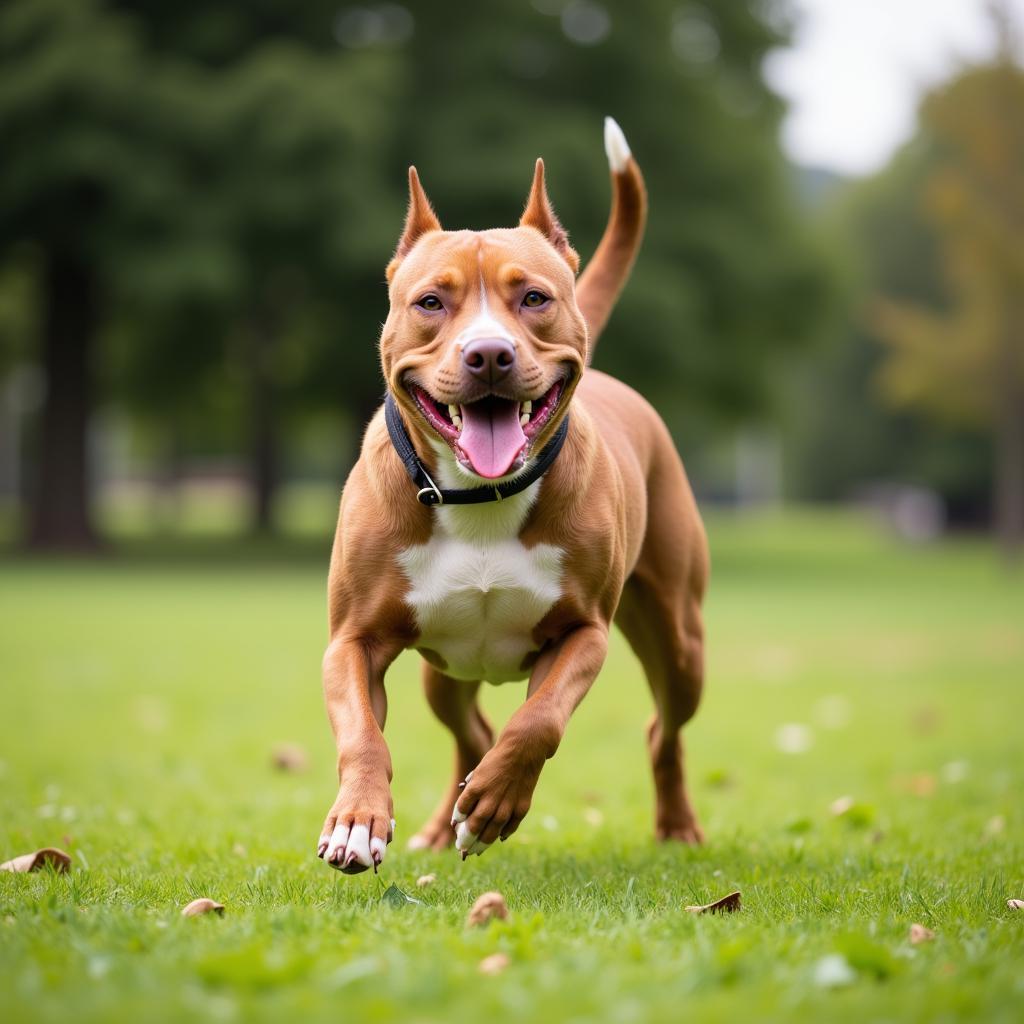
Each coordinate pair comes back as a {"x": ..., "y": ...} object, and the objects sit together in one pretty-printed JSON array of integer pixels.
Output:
[{"x": 197, "y": 202}]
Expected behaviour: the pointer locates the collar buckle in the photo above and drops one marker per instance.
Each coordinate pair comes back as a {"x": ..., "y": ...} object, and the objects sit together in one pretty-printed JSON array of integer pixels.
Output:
[{"x": 430, "y": 495}]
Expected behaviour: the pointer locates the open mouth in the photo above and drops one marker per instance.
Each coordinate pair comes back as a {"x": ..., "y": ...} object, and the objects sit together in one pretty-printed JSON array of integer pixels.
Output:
[{"x": 492, "y": 435}]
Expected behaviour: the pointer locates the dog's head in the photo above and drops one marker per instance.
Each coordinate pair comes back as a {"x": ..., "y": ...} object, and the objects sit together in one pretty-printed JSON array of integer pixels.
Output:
[{"x": 484, "y": 343}]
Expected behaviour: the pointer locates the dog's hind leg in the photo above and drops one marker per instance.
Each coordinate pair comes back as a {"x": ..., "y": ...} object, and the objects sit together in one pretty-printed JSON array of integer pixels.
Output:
[
  {"x": 660, "y": 615},
  {"x": 454, "y": 703}
]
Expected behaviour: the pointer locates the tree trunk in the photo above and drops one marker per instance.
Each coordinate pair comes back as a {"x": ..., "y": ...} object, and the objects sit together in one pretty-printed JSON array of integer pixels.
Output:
[
  {"x": 60, "y": 515},
  {"x": 264, "y": 469}
]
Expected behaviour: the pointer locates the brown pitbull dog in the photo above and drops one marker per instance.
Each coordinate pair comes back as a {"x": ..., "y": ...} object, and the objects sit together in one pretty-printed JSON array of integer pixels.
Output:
[{"x": 508, "y": 505}]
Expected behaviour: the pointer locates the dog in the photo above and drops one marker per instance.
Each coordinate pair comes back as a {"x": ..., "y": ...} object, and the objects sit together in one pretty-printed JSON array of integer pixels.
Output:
[{"x": 507, "y": 506}]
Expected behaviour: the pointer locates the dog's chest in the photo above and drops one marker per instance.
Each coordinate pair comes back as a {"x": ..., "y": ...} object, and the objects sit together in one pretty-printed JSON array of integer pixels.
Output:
[{"x": 478, "y": 593}]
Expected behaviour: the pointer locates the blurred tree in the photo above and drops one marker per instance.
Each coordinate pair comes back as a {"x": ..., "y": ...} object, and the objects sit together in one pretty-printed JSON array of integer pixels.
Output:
[
  {"x": 290, "y": 143},
  {"x": 964, "y": 364},
  {"x": 191, "y": 199},
  {"x": 82, "y": 181},
  {"x": 214, "y": 191}
]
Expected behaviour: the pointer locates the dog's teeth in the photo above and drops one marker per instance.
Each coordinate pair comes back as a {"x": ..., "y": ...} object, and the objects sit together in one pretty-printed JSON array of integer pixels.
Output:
[
  {"x": 524, "y": 419},
  {"x": 457, "y": 422},
  {"x": 527, "y": 407},
  {"x": 453, "y": 411}
]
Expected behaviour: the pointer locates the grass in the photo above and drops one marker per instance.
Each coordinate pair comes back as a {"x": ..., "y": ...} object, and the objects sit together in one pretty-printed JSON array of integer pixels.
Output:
[{"x": 142, "y": 697}]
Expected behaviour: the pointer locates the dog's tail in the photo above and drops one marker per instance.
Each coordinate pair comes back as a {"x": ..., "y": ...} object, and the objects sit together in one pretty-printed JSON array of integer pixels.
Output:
[{"x": 607, "y": 272}]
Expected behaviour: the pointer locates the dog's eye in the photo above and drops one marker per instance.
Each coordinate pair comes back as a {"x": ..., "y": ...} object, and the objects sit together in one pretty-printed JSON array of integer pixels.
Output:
[
  {"x": 533, "y": 299},
  {"x": 431, "y": 303}
]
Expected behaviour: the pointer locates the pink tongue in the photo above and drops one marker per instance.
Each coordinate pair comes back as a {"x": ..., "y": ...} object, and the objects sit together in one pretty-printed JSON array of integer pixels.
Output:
[{"x": 491, "y": 436}]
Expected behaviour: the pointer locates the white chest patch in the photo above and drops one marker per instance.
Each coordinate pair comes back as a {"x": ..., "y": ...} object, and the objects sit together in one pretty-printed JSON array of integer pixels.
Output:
[{"x": 478, "y": 592}]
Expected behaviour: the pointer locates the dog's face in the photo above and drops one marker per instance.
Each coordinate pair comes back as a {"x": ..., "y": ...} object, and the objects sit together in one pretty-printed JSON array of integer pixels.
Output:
[{"x": 484, "y": 343}]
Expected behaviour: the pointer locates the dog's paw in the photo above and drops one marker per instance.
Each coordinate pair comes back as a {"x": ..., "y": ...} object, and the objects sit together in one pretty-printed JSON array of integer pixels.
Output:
[
  {"x": 495, "y": 799},
  {"x": 356, "y": 833}
]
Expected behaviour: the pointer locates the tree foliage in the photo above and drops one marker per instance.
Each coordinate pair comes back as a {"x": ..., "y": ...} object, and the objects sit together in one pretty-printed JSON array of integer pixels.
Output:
[
  {"x": 221, "y": 187},
  {"x": 963, "y": 362}
]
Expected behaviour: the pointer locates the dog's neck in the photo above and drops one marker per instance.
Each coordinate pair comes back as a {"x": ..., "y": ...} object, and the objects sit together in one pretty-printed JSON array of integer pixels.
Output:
[{"x": 486, "y": 523}]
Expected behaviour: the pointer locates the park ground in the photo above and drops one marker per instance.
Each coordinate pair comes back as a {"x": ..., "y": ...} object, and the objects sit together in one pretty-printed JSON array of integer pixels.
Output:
[{"x": 143, "y": 694}]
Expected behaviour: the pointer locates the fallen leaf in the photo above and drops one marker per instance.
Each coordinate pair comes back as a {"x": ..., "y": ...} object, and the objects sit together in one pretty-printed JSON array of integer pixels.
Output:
[
  {"x": 840, "y": 805},
  {"x": 203, "y": 905},
  {"x": 397, "y": 898},
  {"x": 48, "y": 855},
  {"x": 494, "y": 964},
  {"x": 726, "y": 905},
  {"x": 490, "y": 904},
  {"x": 926, "y": 720},
  {"x": 424, "y": 880},
  {"x": 833, "y": 971},
  {"x": 994, "y": 826},
  {"x": 919, "y": 934},
  {"x": 793, "y": 738},
  {"x": 1015, "y": 904},
  {"x": 290, "y": 757},
  {"x": 922, "y": 784}
]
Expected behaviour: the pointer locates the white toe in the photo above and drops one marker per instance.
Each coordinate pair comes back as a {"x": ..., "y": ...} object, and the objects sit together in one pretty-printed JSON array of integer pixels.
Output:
[
  {"x": 457, "y": 815},
  {"x": 464, "y": 839},
  {"x": 359, "y": 845},
  {"x": 336, "y": 847},
  {"x": 377, "y": 849},
  {"x": 417, "y": 843}
]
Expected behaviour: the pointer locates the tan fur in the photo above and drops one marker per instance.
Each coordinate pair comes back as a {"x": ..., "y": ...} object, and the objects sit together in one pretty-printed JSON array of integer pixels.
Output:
[{"x": 616, "y": 502}]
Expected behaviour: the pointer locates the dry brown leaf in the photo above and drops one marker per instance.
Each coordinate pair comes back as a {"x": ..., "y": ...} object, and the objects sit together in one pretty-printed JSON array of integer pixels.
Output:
[
  {"x": 919, "y": 934},
  {"x": 290, "y": 757},
  {"x": 490, "y": 904},
  {"x": 424, "y": 880},
  {"x": 1015, "y": 904},
  {"x": 203, "y": 905},
  {"x": 840, "y": 806},
  {"x": 926, "y": 720},
  {"x": 57, "y": 859},
  {"x": 726, "y": 905},
  {"x": 922, "y": 784},
  {"x": 494, "y": 964},
  {"x": 994, "y": 826}
]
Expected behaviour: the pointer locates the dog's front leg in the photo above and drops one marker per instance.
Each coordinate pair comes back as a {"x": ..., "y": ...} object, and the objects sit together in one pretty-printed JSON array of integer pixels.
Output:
[
  {"x": 359, "y": 825},
  {"x": 499, "y": 790}
]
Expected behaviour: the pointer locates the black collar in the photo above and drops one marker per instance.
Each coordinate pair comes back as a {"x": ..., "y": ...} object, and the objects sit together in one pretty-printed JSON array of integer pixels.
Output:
[{"x": 430, "y": 494}]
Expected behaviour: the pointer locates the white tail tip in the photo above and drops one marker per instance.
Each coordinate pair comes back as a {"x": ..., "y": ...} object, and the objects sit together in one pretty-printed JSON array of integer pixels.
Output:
[{"x": 616, "y": 146}]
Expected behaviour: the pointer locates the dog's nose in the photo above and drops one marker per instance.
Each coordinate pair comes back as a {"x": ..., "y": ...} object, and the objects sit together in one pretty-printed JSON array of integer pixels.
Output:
[{"x": 490, "y": 359}]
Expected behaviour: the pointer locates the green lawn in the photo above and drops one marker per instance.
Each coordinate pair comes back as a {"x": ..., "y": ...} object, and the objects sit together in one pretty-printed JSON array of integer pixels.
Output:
[{"x": 142, "y": 696}]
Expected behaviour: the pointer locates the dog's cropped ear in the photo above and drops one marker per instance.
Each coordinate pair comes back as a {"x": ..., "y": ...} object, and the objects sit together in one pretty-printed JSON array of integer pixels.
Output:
[
  {"x": 419, "y": 219},
  {"x": 539, "y": 214}
]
